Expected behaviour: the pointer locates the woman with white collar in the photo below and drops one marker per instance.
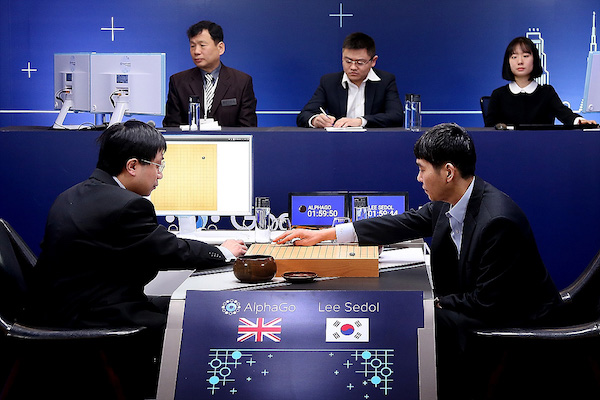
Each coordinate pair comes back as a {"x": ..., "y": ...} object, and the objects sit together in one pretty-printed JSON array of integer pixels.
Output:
[{"x": 523, "y": 101}]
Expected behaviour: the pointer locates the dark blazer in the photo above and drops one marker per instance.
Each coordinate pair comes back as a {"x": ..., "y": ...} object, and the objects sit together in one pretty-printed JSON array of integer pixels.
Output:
[
  {"x": 499, "y": 278},
  {"x": 102, "y": 245},
  {"x": 540, "y": 107},
  {"x": 383, "y": 108},
  {"x": 234, "y": 103}
]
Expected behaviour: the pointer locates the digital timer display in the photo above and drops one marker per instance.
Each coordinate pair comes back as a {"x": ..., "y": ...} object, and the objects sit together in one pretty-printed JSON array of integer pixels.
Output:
[
  {"x": 381, "y": 204},
  {"x": 316, "y": 209}
]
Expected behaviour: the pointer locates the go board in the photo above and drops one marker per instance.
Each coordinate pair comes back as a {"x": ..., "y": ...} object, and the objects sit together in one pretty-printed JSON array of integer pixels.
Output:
[{"x": 325, "y": 260}]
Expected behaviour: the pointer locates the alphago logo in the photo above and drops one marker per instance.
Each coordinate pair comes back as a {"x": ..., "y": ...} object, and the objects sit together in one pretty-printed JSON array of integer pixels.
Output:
[{"x": 231, "y": 307}]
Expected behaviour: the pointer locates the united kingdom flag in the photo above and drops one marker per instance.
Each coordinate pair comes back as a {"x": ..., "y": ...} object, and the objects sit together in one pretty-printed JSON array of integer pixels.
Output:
[{"x": 259, "y": 330}]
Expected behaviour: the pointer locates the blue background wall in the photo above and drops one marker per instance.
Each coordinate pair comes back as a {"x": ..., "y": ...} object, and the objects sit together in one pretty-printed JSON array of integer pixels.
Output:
[{"x": 448, "y": 51}]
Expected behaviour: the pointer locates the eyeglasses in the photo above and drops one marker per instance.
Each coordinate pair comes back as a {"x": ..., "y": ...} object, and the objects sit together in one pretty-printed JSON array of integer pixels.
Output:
[
  {"x": 360, "y": 63},
  {"x": 160, "y": 166}
]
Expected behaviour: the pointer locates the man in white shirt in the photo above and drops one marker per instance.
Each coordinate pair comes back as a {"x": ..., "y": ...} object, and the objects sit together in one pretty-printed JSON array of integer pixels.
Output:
[{"x": 359, "y": 96}]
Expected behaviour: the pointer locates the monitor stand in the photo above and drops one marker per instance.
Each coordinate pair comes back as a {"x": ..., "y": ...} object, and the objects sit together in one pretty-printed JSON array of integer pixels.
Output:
[
  {"x": 58, "y": 123},
  {"x": 120, "y": 108}
]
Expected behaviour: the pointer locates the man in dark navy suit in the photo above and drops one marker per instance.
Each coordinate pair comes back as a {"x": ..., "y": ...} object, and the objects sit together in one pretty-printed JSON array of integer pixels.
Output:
[
  {"x": 103, "y": 244},
  {"x": 231, "y": 102},
  {"x": 359, "y": 96},
  {"x": 486, "y": 268}
]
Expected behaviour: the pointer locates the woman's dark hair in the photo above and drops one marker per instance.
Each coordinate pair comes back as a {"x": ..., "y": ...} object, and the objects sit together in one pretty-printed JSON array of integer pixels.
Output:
[{"x": 527, "y": 46}]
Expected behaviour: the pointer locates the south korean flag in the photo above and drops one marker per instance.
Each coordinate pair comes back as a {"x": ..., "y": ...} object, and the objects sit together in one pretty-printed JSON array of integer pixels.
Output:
[{"x": 347, "y": 330}]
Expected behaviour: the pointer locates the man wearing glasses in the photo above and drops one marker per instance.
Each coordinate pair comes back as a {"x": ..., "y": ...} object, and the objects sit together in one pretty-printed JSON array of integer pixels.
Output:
[
  {"x": 360, "y": 96},
  {"x": 103, "y": 244}
]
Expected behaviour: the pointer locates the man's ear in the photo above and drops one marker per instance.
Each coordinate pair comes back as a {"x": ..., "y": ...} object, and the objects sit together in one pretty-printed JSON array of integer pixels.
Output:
[
  {"x": 131, "y": 166},
  {"x": 450, "y": 170}
]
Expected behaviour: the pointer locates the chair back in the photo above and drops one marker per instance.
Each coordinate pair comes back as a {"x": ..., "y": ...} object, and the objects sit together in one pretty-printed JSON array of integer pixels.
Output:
[
  {"x": 484, "y": 101},
  {"x": 16, "y": 258},
  {"x": 583, "y": 295}
]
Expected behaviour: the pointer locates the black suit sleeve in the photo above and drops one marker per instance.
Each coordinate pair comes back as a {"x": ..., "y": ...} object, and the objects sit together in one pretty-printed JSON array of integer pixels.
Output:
[
  {"x": 397, "y": 228},
  {"x": 151, "y": 244},
  {"x": 499, "y": 276},
  {"x": 319, "y": 99},
  {"x": 247, "y": 115},
  {"x": 175, "y": 113}
]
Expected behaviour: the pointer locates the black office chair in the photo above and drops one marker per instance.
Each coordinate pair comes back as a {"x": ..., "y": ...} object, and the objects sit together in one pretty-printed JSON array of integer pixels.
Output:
[
  {"x": 484, "y": 102},
  {"x": 565, "y": 354},
  {"x": 34, "y": 356}
]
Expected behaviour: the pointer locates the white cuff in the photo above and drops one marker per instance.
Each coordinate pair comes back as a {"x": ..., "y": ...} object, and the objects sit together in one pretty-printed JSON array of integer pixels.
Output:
[
  {"x": 226, "y": 253},
  {"x": 345, "y": 233}
]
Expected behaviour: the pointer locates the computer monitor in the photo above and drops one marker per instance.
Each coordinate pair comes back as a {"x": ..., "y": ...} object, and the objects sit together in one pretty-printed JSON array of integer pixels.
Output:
[
  {"x": 591, "y": 95},
  {"x": 316, "y": 208},
  {"x": 71, "y": 85},
  {"x": 381, "y": 203},
  {"x": 206, "y": 175},
  {"x": 128, "y": 84}
]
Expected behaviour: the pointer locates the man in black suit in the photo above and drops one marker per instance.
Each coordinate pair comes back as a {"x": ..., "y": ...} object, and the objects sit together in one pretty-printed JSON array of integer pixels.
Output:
[
  {"x": 103, "y": 244},
  {"x": 487, "y": 271},
  {"x": 359, "y": 96},
  {"x": 231, "y": 102}
]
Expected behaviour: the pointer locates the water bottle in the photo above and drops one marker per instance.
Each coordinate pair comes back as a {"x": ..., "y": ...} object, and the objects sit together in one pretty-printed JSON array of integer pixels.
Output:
[
  {"x": 361, "y": 208},
  {"x": 415, "y": 112},
  {"x": 262, "y": 210},
  {"x": 194, "y": 113},
  {"x": 408, "y": 111}
]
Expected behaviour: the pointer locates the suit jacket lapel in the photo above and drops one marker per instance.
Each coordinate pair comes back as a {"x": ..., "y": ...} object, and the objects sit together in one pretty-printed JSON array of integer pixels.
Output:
[
  {"x": 470, "y": 222},
  {"x": 222, "y": 85},
  {"x": 370, "y": 89},
  {"x": 196, "y": 83},
  {"x": 342, "y": 95}
]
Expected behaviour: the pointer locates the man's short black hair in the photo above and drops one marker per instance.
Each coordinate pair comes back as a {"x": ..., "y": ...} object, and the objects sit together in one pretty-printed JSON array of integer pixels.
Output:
[
  {"x": 132, "y": 139},
  {"x": 527, "y": 46},
  {"x": 359, "y": 40},
  {"x": 448, "y": 143},
  {"x": 215, "y": 30}
]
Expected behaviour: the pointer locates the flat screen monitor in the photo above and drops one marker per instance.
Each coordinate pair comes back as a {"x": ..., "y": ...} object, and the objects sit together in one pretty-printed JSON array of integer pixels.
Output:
[
  {"x": 381, "y": 203},
  {"x": 127, "y": 84},
  {"x": 71, "y": 84},
  {"x": 206, "y": 175},
  {"x": 591, "y": 95},
  {"x": 316, "y": 208}
]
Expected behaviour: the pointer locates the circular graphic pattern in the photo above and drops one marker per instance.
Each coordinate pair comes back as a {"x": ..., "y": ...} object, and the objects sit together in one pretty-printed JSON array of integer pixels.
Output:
[
  {"x": 347, "y": 329},
  {"x": 231, "y": 307}
]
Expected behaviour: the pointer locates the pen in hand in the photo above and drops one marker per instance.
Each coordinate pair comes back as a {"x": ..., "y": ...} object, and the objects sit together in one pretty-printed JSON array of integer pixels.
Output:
[{"x": 329, "y": 118}]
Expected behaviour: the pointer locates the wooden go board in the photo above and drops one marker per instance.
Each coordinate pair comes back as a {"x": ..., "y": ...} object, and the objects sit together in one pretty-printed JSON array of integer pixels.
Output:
[{"x": 325, "y": 260}]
